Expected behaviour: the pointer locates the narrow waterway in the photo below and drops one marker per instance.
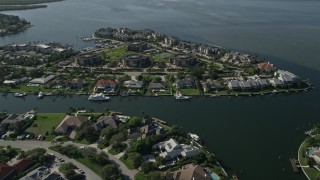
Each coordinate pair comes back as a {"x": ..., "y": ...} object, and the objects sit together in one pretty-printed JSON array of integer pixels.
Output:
[{"x": 254, "y": 136}]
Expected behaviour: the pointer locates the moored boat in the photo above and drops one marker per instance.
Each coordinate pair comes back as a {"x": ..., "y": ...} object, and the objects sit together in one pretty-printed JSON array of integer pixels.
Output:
[
  {"x": 20, "y": 94},
  {"x": 179, "y": 96},
  {"x": 40, "y": 95},
  {"x": 98, "y": 97}
]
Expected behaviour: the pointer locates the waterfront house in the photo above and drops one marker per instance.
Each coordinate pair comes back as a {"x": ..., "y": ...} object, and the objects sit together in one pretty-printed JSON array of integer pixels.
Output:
[
  {"x": 193, "y": 172},
  {"x": 266, "y": 66},
  {"x": 233, "y": 85},
  {"x": 151, "y": 129},
  {"x": 254, "y": 83},
  {"x": 286, "y": 77},
  {"x": 69, "y": 123},
  {"x": 263, "y": 82},
  {"x": 75, "y": 83},
  {"x": 133, "y": 84},
  {"x": 104, "y": 121},
  {"x": 211, "y": 85},
  {"x": 14, "y": 82},
  {"x": 157, "y": 86},
  {"x": 171, "y": 149},
  {"x": 42, "y": 80},
  {"x": 106, "y": 85},
  {"x": 187, "y": 82},
  {"x": 245, "y": 85},
  {"x": 12, "y": 119},
  {"x": 43, "y": 48},
  {"x": 275, "y": 82},
  {"x": 170, "y": 41}
]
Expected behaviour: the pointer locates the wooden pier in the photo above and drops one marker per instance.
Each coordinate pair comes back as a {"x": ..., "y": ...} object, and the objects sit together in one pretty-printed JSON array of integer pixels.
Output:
[{"x": 295, "y": 165}]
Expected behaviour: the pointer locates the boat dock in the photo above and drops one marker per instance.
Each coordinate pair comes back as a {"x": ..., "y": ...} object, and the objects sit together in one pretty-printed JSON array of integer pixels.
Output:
[{"x": 295, "y": 165}]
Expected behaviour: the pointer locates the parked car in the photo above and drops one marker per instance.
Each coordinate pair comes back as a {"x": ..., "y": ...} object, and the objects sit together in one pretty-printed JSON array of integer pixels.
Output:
[
  {"x": 21, "y": 137},
  {"x": 40, "y": 138},
  {"x": 81, "y": 171},
  {"x": 3, "y": 136}
]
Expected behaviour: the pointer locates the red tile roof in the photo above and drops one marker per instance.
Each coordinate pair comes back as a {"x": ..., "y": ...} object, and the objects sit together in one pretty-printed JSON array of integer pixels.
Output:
[
  {"x": 265, "y": 66},
  {"x": 23, "y": 164},
  {"x": 6, "y": 171},
  {"x": 104, "y": 82}
]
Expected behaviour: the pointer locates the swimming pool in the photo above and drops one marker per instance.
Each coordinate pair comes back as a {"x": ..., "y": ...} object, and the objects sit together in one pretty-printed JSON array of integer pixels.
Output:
[
  {"x": 309, "y": 151},
  {"x": 214, "y": 176}
]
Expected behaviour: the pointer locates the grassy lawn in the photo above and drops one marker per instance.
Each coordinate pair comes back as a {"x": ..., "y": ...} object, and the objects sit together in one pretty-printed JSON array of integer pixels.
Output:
[
  {"x": 163, "y": 57},
  {"x": 168, "y": 128},
  {"x": 115, "y": 54},
  {"x": 93, "y": 166},
  {"x": 45, "y": 123},
  {"x": 190, "y": 91},
  {"x": 312, "y": 173},
  {"x": 129, "y": 166},
  {"x": 23, "y": 88},
  {"x": 139, "y": 176},
  {"x": 83, "y": 141},
  {"x": 303, "y": 160},
  {"x": 113, "y": 152},
  {"x": 85, "y": 161}
]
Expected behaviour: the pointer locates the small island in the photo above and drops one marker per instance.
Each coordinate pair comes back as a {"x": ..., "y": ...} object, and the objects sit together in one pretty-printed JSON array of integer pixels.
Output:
[
  {"x": 126, "y": 62},
  {"x": 81, "y": 143},
  {"x": 12, "y": 24}
]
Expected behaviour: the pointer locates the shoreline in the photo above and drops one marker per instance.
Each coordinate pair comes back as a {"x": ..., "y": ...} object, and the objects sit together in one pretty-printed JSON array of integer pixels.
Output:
[{"x": 211, "y": 95}]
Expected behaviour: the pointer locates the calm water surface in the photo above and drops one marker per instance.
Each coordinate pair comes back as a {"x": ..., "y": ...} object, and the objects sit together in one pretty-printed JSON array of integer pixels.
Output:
[{"x": 248, "y": 134}]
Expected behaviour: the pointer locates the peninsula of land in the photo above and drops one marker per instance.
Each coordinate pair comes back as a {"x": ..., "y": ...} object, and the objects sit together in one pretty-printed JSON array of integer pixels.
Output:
[
  {"x": 309, "y": 154},
  {"x": 140, "y": 62},
  {"x": 13, "y": 24},
  {"x": 110, "y": 145}
]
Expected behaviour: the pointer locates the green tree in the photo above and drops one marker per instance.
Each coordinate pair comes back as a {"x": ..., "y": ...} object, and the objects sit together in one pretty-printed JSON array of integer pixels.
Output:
[
  {"x": 67, "y": 169},
  {"x": 135, "y": 121},
  {"x": 154, "y": 175},
  {"x": 135, "y": 159},
  {"x": 146, "y": 167},
  {"x": 160, "y": 161},
  {"x": 110, "y": 171}
]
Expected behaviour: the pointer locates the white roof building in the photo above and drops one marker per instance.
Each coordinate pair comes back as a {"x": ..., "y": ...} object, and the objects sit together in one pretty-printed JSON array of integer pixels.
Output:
[
  {"x": 275, "y": 82},
  {"x": 171, "y": 149},
  {"x": 42, "y": 80},
  {"x": 43, "y": 46}
]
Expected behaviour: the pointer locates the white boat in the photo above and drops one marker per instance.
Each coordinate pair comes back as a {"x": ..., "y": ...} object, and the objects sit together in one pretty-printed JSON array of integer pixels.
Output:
[
  {"x": 194, "y": 136},
  {"x": 49, "y": 94},
  {"x": 179, "y": 96},
  {"x": 19, "y": 94},
  {"x": 98, "y": 97},
  {"x": 40, "y": 95}
]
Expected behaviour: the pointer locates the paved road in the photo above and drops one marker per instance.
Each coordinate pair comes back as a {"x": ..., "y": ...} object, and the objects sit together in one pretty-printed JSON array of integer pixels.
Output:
[
  {"x": 128, "y": 174},
  {"x": 27, "y": 145}
]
